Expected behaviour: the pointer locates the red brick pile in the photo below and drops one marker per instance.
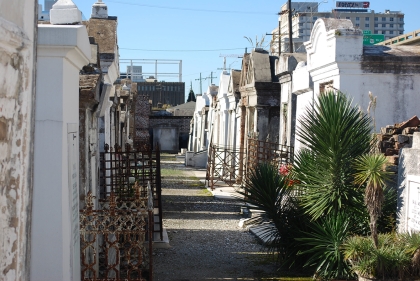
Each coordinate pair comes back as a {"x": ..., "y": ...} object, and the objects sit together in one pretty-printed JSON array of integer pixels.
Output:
[{"x": 394, "y": 137}]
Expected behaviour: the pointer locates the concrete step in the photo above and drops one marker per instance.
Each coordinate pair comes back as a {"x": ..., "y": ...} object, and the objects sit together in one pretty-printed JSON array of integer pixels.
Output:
[
  {"x": 164, "y": 243},
  {"x": 244, "y": 222},
  {"x": 253, "y": 213}
]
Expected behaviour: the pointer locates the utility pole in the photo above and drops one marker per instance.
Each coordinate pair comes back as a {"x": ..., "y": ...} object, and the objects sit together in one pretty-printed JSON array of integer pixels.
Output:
[
  {"x": 205, "y": 78},
  {"x": 279, "y": 33},
  {"x": 228, "y": 56},
  {"x": 290, "y": 27},
  {"x": 224, "y": 65},
  {"x": 201, "y": 85},
  {"x": 280, "y": 14},
  {"x": 211, "y": 77}
]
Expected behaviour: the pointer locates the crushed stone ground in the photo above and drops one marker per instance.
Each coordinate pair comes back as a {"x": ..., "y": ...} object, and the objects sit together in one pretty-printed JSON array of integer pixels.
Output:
[{"x": 206, "y": 242}]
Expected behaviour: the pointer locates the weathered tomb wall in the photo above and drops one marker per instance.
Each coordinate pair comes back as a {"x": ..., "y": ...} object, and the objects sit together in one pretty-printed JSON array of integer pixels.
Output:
[{"x": 17, "y": 95}]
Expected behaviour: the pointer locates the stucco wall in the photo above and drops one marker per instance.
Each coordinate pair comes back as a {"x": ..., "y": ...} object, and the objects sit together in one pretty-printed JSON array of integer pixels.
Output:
[
  {"x": 181, "y": 123},
  {"x": 55, "y": 248},
  {"x": 398, "y": 95},
  {"x": 303, "y": 103},
  {"x": 167, "y": 137},
  {"x": 336, "y": 56},
  {"x": 17, "y": 94}
]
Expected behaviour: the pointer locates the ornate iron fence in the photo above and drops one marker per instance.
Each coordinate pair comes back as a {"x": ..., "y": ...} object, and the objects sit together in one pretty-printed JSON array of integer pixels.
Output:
[
  {"x": 263, "y": 151},
  {"x": 229, "y": 165},
  {"x": 113, "y": 237},
  {"x": 119, "y": 170},
  {"x": 224, "y": 165}
]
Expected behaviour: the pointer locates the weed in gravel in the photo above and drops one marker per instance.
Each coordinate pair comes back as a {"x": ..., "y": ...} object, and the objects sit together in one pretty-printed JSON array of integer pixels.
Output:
[
  {"x": 171, "y": 173},
  {"x": 167, "y": 157},
  {"x": 196, "y": 184},
  {"x": 204, "y": 192}
]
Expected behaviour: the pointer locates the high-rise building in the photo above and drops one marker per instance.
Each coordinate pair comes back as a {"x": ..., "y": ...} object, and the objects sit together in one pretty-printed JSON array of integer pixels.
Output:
[
  {"x": 44, "y": 13},
  {"x": 135, "y": 73},
  {"x": 304, "y": 14},
  {"x": 48, "y": 4}
]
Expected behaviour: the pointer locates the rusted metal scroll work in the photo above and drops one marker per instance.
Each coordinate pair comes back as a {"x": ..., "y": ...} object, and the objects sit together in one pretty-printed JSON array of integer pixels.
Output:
[
  {"x": 113, "y": 238},
  {"x": 119, "y": 169}
]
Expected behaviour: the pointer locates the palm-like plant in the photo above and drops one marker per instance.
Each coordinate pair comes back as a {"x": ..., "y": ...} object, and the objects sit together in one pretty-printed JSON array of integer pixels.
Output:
[
  {"x": 258, "y": 43},
  {"x": 324, "y": 240},
  {"x": 269, "y": 192},
  {"x": 370, "y": 170},
  {"x": 334, "y": 133}
]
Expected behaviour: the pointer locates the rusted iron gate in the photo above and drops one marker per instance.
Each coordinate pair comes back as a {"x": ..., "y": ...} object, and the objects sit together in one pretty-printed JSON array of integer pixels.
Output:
[
  {"x": 231, "y": 166},
  {"x": 120, "y": 169},
  {"x": 225, "y": 164},
  {"x": 113, "y": 238},
  {"x": 263, "y": 152}
]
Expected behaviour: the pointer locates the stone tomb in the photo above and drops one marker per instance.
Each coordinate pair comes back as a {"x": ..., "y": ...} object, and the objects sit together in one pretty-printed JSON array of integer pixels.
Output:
[
  {"x": 408, "y": 209},
  {"x": 62, "y": 52},
  {"x": 413, "y": 204}
]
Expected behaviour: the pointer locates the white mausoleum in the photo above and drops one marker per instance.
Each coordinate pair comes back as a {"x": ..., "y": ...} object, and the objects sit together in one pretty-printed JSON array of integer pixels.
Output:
[{"x": 337, "y": 60}]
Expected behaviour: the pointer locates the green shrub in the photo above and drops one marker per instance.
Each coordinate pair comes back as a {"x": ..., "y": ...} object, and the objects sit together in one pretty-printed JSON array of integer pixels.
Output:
[
  {"x": 395, "y": 258},
  {"x": 323, "y": 242},
  {"x": 334, "y": 133},
  {"x": 268, "y": 191}
]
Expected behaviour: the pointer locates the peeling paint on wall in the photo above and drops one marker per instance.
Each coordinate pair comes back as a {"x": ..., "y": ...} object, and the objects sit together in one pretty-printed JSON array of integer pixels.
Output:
[{"x": 17, "y": 59}]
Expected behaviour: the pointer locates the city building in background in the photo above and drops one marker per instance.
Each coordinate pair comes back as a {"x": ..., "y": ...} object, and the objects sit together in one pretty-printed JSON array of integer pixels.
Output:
[
  {"x": 135, "y": 73},
  {"x": 44, "y": 12},
  {"x": 380, "y": 26},
  {"x": 48, "y": 4},
  {"x": 162, "y": 93}
]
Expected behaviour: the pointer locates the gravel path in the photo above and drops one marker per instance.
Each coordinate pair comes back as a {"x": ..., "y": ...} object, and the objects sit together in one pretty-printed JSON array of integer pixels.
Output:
[{"x": 206, "y": 242}]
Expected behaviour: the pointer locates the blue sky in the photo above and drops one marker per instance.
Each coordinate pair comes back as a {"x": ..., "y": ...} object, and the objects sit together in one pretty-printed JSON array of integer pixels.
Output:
[{"x": 188, "y": 26}]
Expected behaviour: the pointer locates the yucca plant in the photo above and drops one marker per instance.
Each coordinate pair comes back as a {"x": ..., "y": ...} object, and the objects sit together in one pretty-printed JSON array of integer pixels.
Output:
[
  {"x": 269, "y": 192},
  {"x": 334, "y": 133},
  {"x": 370, "y": 170},
  {"x": 324, "y": 240}
]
